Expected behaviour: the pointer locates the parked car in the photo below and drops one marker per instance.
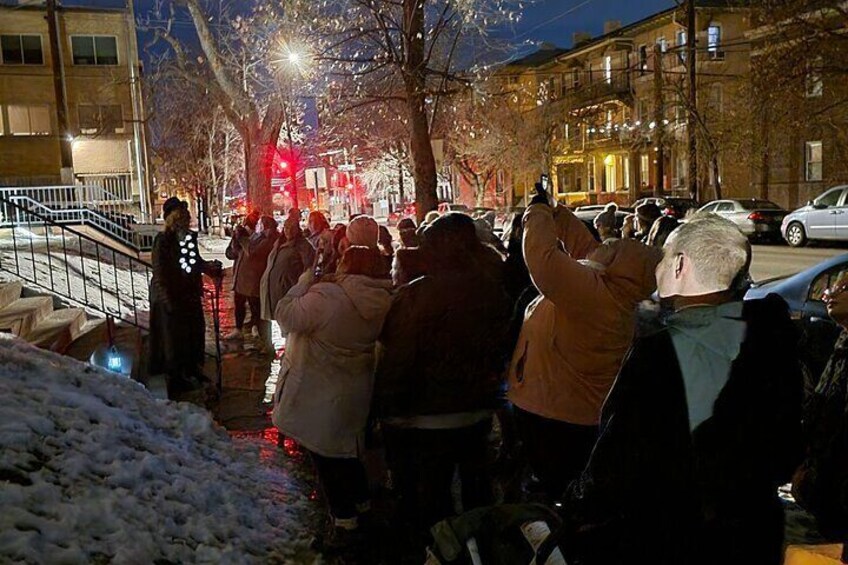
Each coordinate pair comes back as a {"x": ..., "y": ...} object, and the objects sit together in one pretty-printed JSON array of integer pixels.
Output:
[
  {"x": 825, "y": 218},
  {"x": 756, "y": 218},
  {"x": 445, "y": 207},
  {"x": 670, "y": 206},
  {"x": 803, "y": 293},
  {"x": 588, "y": 214}
]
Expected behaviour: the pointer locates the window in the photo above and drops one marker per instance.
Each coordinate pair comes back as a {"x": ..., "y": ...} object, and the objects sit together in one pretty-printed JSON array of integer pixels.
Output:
[
  {"x": 680, "y": 170},
  {"x": 663, "y": 44},
  {"x": 644, "y": 172},
  {"x": 94, "y": 50},
  {"x": 608, "y": 69},
  {"x": 644, "y": 110},
  {"x": 575, "y": 79},
  {"x": 716, "y": 97},
  {"x": 563, "y": 82},
  {"x": 591, "y": 71},
  {"x": 725, "y": 207},
  {"x": 21, "y": 50},
  {"x": 815, "y": 86},
  {"x": 94, "y": 119},
  {"x": 714, "y": 41},
  {"x": 709, "y": 208},
  {"x": 825, "y": 281},
  {"x": 830, "y": 198},
  {"x": 2, "y": 125},
  {"x": 813, "y": 161},
  {"x": 590, "y": 174},
  {"x": 29, "y": 120},
  {"x": 681, "y": 45},
  {"x": 643, "y": 59}
]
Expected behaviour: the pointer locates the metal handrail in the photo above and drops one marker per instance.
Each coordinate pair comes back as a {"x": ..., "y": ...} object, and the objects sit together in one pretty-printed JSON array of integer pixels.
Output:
[
  {"x": 120, "y": 287},
  {"x": 84, "y": 216}
]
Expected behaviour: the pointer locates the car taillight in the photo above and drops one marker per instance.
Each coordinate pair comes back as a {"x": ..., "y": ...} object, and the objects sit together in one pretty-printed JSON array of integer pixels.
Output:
[
  {"x": 756, "y": 217},
  {"x": 669, "y": 211}
]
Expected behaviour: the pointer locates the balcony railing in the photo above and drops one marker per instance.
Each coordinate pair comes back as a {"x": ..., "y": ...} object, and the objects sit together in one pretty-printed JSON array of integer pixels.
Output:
[{"x": 618, "y": 86}]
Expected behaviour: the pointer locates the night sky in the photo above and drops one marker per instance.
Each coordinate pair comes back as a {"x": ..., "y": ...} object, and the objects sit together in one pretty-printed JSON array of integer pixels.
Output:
[{"x": 553, "y": 21}]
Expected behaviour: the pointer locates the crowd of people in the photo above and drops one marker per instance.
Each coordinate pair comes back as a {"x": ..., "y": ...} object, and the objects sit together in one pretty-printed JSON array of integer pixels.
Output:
[{"x": 656, "y": 411}]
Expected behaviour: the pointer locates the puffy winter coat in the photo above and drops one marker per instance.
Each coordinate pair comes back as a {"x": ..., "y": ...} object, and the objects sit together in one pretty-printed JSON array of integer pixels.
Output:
[
  {"x": 324, "y": 390},
  {"x": 250, "y": 254},
  {"x": 445, "y": 343},
  {"x": 575, "y": 335},
  {"x": 286, "y": 262}
]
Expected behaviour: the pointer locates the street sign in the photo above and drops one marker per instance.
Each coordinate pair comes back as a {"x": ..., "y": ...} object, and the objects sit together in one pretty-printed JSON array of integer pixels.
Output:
[
  {"x": 316, "y": 178},
  {"x": 347, "y": 167}
]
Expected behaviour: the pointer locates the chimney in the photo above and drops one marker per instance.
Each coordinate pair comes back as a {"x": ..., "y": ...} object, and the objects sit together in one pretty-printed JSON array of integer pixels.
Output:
[
  {"x": 578, "y": 38},
  {"x": 611, "y": 25}
]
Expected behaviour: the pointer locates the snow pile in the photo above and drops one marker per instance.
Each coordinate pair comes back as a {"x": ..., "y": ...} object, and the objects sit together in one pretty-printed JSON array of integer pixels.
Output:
[{"x": 94, "y": 469}]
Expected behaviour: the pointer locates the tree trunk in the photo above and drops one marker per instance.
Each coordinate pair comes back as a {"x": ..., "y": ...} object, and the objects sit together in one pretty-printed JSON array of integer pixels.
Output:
[
  {"x": 423, "y": 161},
  {"x": 258, "y": 157}
]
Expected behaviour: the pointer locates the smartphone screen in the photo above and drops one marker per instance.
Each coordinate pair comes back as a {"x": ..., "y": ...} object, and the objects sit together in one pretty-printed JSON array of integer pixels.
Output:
[{"x": 545, "y": 182}]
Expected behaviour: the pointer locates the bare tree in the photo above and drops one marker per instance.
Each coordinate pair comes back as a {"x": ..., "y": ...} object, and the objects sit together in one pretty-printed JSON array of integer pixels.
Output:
[
  {"x": 402, "y": 51},
  {"x": 238, "y": 66}
]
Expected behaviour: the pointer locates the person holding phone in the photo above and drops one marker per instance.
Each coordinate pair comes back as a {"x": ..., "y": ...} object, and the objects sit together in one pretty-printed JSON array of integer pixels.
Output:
[{"x": 574, "y": 336}]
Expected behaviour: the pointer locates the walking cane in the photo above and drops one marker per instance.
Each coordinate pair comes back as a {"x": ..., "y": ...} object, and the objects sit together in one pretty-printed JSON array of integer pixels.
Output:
[{"x": 216, "y": 321}]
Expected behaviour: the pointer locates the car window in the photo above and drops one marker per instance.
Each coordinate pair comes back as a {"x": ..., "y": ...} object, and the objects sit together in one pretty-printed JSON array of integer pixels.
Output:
[
  {"x": 709, "y": 207},
  {"x": 759, "y": 205},
  {"x": 829, "y": 198},
  {"x": 826, "y": 280},
  {"x": 725, "y": 207}
]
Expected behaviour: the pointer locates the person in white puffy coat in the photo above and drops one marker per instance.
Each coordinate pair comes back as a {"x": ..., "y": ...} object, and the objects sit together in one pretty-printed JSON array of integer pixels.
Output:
[{"x": 326, "y": 380}]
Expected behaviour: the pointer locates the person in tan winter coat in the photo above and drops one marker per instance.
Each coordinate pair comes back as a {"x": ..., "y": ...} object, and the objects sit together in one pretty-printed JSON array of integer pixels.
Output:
[
  {"x": 574, "y": 337},
  {"x": 323, "y": 395}
]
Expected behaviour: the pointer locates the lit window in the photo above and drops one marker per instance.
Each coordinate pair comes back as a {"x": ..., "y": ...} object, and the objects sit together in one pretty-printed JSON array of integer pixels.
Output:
[
  {"x": 29, "y": 120},
  {"x": 663, "y": 44},
  {"x": 643, "y": 58},
  {"x": 813, "y": 160},
  {"x": 644, "y": 173},
  {"x": 575, "y": 78},
  {"x": 2, "y": 123},
  {"x": 94, "y": 50},
  {"x": 815, "y": 86},
  {"x": 608, "y": 69},
  {"x": 590, "y": 174},
  {"x": 21, "y": 50},
  {"x": 681, "y": 45},
  {"x": 714, "y": 41}
]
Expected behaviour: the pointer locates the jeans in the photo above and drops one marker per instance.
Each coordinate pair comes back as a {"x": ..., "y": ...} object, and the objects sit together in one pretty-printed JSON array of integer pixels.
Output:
[
  {"x": 556, "y": 451},
  {"x": 423, "y": 463},
  {"x": 343, "y": 483}
]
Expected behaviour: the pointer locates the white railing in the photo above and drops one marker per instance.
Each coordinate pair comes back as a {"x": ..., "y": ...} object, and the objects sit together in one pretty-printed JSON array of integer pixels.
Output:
[
  {"x": 14, "y": 211},
  {"x": 115, "y": 187}
]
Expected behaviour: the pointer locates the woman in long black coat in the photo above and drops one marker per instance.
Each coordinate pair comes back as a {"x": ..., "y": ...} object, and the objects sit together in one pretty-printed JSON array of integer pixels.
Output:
[{"x": 177, "y": 325}]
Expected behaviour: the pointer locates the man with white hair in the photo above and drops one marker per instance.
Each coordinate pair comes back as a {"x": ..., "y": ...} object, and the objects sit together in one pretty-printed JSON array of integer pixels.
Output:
[{"x": 702, "y": 424}]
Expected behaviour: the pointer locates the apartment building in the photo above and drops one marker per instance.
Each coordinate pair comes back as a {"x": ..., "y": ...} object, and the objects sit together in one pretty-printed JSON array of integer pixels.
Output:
[
  {"x": 799, "y": 70},
  {"x": 93, "y": 65},
  {"x": 617, "y": 105}
]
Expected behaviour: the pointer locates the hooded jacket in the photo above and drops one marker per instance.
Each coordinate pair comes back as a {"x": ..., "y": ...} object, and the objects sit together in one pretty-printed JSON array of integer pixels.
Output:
[
  {"x": 286, "y": 262},
  {"x": 576, "y": 333},
  {"x": 326, "y": 379}
]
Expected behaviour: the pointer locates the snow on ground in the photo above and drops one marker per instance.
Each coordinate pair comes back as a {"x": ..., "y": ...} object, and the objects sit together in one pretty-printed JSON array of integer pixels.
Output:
[
  {"x": 79, "y": 270},
  {"x": 94, "y": 469}
]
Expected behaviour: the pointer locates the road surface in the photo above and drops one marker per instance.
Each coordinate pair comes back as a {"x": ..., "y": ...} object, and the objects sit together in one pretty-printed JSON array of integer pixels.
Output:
[{"x": 778, "y": 260}]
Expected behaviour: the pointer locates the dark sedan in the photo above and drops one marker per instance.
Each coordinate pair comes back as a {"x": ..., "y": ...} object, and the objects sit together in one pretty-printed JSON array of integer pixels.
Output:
[{"x": 803, "y": 292}]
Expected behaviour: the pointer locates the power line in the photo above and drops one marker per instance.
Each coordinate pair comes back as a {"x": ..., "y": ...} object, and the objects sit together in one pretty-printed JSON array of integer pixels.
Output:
[{"x": 555, "y": 18}]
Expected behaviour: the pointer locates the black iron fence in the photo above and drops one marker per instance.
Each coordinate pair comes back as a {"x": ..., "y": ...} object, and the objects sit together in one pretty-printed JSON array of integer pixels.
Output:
[{"x": 42, "y": 250}]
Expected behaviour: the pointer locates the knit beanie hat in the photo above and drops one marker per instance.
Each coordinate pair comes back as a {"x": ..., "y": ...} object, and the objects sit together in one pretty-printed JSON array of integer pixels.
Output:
[{"x": 363, "y": 231}]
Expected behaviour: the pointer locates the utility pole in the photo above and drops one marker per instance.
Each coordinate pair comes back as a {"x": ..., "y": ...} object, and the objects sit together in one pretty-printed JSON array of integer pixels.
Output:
[
  {"x": 65, "y": 140},
  {"x": 691, "y": 122},
  {"x": 659, "y": 118}
]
